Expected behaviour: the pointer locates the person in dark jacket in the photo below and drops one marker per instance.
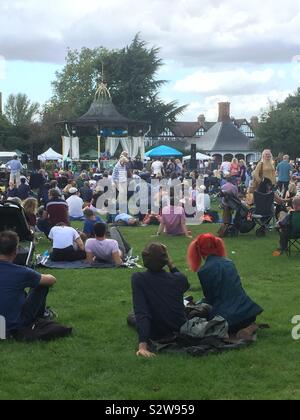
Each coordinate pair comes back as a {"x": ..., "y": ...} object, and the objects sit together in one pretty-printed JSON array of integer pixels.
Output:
[
  {"x": 221, "y": 284},
  {"x": 23, "y": 190},
  {"x": 158, "y": 298}
]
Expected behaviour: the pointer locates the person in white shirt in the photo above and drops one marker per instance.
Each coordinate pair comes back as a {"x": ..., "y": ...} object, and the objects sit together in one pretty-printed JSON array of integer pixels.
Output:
[
  {"x": 76, "y": 205},
  {"x": 67, "y": 244},
  {"x": 225, "y": 168},
  {"x": 157, "y": 168},
  {"x": 14, "y": 167}
]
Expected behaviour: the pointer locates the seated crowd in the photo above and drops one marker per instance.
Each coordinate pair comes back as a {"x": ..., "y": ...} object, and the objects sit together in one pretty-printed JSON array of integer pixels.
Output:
[{"x": 158, "y": 295}]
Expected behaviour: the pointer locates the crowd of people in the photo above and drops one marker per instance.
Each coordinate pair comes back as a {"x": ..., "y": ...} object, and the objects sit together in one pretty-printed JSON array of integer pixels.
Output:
[{"x": 51, "y": 202}]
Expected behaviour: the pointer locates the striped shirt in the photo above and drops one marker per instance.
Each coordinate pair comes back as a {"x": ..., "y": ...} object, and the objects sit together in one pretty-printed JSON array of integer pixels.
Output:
[{"x": 119, "y": 174}]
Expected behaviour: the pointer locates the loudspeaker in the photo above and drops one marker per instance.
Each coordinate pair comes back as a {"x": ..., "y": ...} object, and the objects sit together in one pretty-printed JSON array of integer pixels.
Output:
[
  {"x": 24, "y": 159},
  {"x": 193, "y": 162}
]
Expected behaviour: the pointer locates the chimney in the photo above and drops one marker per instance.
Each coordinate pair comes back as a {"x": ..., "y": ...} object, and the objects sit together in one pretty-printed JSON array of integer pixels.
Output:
[
  {"x": 224, "y": 112},
  {"x": 201, "y": 119},
  {"x": 254, "y": 122}
]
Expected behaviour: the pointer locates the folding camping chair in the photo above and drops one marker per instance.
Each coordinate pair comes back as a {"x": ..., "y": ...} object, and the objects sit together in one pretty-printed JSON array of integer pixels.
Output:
[
  {"x": 294, "y": 233},
  {"x": 12, "y": 217},
  {"x": 263, "y": 211}
]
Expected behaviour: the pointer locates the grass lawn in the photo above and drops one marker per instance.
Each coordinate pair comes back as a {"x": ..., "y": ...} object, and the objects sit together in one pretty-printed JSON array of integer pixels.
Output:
[{"x": 99, "y": 362}]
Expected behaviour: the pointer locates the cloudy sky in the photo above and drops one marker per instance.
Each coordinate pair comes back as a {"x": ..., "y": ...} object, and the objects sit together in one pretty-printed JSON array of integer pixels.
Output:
[{"x": 244, "y": 52}]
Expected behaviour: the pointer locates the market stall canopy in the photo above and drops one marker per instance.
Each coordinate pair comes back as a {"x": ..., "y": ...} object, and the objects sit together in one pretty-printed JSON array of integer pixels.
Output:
[
  {"x": 199, "y": 156},
  {"x": 163, "y": 151},
  {"x": 50, "y": 155}
]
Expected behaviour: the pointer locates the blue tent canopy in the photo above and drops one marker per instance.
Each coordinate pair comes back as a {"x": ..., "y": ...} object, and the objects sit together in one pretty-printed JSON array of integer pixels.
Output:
[{"x": 163, "y": 151}]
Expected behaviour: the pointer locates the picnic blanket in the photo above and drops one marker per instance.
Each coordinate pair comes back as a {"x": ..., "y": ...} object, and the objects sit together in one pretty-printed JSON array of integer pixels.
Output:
[
  {"x": 211, "y": 340},
  {"x": 81, "y": 265}
]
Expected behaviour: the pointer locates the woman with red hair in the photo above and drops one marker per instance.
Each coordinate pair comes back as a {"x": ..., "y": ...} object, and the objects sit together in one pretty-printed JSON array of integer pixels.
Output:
[{"x": 221, "y": 283}]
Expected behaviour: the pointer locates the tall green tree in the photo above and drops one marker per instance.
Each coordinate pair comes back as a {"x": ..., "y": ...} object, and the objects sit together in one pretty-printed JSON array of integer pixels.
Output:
[
  {"x": 131, "y": 74},
  {"x": 20, "y": 111},
  {"x": 5, "y": 130},
  {"x": 279, "y": 129}
]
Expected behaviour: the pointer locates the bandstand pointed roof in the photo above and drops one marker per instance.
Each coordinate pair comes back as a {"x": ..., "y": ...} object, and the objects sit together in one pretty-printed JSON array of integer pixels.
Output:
[{"x": 103, "y": 112}]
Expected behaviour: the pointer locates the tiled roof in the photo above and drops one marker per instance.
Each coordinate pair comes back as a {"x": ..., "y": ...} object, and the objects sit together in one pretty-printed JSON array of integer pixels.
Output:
[
  {"x": 189, "y": 129},
  {"x": 224, "y": 137}
]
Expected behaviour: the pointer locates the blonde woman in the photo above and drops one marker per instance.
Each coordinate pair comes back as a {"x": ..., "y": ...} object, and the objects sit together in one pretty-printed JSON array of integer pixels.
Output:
[
  {"x": 264, "y": 169},
  {"x": 234, "y": 169},
  {"x": 31, "y": 208}
]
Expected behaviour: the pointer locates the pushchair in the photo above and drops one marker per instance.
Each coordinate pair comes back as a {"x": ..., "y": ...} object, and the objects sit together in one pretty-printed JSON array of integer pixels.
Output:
[
  {"x": 263, "y": 212},
  {"x": 243, "y": 221},
  {"x": 12, "y": 218}
]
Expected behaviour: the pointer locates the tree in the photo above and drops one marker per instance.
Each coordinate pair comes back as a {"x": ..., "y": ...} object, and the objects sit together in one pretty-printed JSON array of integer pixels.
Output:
[
  {"x": 5, "y": 129},
  {"x": 20, "y": 111},
  {"x": 279, "y": 129},
  {"x": 131, "y": 74}
]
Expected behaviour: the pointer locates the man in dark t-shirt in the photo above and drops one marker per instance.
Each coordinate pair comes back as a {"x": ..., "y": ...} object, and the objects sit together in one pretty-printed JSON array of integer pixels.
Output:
[
  {"x": 56, "y": 211},
  {"x": 18, "y": 309},
  {"x": 158, "y": 298}
]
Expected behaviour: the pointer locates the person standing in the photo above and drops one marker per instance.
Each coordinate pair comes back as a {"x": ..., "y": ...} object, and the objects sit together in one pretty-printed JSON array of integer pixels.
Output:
[
  {"x": 264, "y": 169},
  {"x": 284, "y": 173},
  {"x": 15, "y": 167},
  {"x": 157, "y": 168}
]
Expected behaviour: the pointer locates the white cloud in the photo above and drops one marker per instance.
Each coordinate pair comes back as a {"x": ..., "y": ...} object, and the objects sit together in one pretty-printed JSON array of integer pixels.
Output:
[
  {"x": 242, "y": 106},
  {"x": 232, "y": 82},
  {"x": 189, "y": 31},
  {"x": 2, "y": 68}
]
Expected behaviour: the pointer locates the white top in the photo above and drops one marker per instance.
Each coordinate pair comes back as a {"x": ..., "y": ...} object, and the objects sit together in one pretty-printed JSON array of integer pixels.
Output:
[
  {"x": 75, "y": 204},
  {"x": 63, "y": 236},
  {"x": 226, "y": 167},
  {"x": 157, "y": 167}
]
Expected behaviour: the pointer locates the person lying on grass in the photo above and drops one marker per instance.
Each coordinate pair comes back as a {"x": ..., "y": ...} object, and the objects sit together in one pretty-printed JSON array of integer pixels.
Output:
[
  {"x": 221, "y": 284},
  {"x": 101, "y": 249},
  {"x": 18, "y": 309},
  {"x": 158, "y": 298}
]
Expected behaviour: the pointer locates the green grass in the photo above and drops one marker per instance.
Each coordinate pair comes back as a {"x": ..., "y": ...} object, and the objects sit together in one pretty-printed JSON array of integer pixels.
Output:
[{"x": 99, "y": 362}]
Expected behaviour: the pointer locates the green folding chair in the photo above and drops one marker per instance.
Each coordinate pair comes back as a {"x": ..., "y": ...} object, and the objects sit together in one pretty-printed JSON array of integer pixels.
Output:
[{"x": 294, "y": 234}]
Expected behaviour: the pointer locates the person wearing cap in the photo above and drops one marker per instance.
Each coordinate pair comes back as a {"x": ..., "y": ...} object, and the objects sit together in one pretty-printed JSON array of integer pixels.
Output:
[
  {"x": 76, "y": 205},
  {"x": 158, "y": 298},
  {"x": 15, "y": 167},
  {"x": 221, "y": 283}
]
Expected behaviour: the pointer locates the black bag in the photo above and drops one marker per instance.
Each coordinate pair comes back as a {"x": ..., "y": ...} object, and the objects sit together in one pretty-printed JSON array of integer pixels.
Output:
[{"x": 42, "y": 330}]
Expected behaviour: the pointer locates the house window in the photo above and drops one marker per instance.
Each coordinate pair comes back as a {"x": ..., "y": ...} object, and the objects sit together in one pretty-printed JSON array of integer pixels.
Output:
[
  {"x": 246, "y": 129},
  {"x": 200, "y": 132},
  {"x": 167, "y": 133}
]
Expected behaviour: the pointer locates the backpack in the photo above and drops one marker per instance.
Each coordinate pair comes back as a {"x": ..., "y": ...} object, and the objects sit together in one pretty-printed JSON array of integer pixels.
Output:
[{"x": 42, "y": 330}]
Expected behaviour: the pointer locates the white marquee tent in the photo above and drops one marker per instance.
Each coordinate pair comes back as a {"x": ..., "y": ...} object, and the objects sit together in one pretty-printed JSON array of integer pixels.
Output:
[
  {"x": 50, "y": 155},
  {"x": 200, "y": 156}
]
